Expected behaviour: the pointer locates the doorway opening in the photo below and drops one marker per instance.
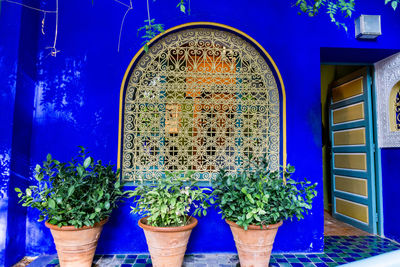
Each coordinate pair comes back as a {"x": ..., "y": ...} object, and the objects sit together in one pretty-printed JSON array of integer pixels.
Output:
[
  {"x": 348, "y": 157},
  {"x": 352, "y": 161}
]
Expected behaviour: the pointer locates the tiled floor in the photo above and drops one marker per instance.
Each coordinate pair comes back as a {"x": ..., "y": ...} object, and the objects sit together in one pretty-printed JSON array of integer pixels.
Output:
[
  {"x": 338, "y": 228},
  {"x": 338, "y": 250}
]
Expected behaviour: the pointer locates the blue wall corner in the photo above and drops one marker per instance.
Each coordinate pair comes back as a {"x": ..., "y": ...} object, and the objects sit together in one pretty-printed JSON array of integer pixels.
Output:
[
  {"x": 9, "y": 43},
  {"x": 18, "y": 73},
  {"x": 391, "y": 192}
]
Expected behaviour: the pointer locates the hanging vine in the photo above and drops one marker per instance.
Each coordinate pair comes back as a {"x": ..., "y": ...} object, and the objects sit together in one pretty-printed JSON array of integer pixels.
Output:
[
  {"x": 151, "y": 29},
  {"x": 53, "y": 49},
  {"x": 129, "y": 8}
]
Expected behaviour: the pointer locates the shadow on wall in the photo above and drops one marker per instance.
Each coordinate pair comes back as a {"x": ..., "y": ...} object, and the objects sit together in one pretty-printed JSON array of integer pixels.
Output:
[
  {"x": 4, "y": 171},
  {"x": 62, "y": 98},
  {"x": 7, "y": 95}
]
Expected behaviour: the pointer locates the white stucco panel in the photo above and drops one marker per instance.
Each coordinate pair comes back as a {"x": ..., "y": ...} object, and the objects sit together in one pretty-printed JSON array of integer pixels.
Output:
[{"x": 387, "y": 74}]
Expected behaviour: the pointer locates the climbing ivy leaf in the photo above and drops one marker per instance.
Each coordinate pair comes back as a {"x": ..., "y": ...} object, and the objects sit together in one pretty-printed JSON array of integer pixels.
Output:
[{"x": 345, "y": 8}]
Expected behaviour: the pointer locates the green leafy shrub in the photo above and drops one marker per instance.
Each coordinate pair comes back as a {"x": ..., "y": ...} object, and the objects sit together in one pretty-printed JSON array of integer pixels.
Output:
[
  {"x": 80, "y": 192},
  {"x": 171, "y": 200},
  {"x": 257, "y": 196}
]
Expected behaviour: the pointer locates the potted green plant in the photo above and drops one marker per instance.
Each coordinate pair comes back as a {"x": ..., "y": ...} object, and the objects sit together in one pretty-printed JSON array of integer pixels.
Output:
[
  {"x": 169, "y": 206},
  {"x": 75, "y": 198},
  {"x": 254, "y": 202}
]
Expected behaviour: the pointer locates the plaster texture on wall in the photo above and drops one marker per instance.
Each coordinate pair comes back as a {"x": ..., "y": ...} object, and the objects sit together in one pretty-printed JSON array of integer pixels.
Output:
[{"x": 387, "y": 74}]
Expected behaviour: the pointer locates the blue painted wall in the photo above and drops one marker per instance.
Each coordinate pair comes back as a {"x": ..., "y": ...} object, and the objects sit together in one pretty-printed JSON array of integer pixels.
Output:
[
  {"x": 9, "y": 43},
  {"x": 18, "y": 72},
  {"x": 391, "y": 192},
  {"x": 76, "y": 97},
  {"x": 20, "y": 165}
]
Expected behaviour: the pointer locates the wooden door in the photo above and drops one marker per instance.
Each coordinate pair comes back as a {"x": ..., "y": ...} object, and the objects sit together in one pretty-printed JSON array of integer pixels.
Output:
[{"x": 352, "y": 151}]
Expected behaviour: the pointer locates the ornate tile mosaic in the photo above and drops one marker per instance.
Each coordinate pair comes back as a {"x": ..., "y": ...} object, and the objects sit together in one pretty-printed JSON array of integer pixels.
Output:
[{"x": 338, "y": 250}]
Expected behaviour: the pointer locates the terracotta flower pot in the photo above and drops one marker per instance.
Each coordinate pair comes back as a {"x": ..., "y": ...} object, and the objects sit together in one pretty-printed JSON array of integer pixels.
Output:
[
  {"x": 254, "y": 245},
  {"x": 76, "y": 246},
  {"x": 167, "y": 245}
]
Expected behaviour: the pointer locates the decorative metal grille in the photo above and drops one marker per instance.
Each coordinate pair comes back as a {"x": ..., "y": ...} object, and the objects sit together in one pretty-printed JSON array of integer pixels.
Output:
[
  {"x": 199, "y": 99},
  {"x": 397, "y": 110},
  {"x": 394, "y": 108}
]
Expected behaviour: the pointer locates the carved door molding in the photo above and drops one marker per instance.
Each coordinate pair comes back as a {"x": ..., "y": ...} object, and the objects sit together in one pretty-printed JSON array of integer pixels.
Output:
[{"x": 387, "y": 75}]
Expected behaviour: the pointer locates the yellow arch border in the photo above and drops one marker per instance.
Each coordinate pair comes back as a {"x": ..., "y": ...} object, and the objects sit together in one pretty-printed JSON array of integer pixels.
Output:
[{"x": 191, "y": 24}]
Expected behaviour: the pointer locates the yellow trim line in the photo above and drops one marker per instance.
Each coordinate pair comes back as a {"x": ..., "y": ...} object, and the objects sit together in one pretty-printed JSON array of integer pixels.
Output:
[{"x": 188, "y": 25}]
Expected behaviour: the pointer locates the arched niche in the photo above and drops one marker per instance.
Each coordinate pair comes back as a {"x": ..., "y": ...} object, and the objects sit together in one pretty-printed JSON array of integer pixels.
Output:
[
  {"x": 394, "y": 108},
  {"x": 205, "y": 96}
]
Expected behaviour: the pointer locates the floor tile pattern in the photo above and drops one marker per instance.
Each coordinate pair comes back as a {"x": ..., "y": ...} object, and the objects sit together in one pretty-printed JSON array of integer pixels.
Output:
[{"x": 338, "y": 250}]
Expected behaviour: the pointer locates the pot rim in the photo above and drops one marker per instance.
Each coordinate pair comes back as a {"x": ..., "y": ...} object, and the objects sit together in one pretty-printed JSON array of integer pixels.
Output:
[
  {"x": 192, "y": 223},
  {"x": 256, "y": 227},
  {"x": 72, "y": 228}
]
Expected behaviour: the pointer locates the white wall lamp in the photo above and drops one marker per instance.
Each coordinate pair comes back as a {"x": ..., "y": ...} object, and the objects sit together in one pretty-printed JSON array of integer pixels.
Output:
[{"x": 368, "y": 27}]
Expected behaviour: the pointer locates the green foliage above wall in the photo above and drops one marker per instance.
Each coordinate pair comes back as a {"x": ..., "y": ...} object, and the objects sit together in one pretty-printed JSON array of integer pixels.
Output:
[
  {"x": 333, "y": 8},
  {"x": 338, "y": 10}
]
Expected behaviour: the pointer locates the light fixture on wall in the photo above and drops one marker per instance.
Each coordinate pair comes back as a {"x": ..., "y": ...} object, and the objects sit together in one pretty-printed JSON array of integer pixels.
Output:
[{"x": 368, "y": 27}]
